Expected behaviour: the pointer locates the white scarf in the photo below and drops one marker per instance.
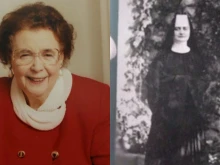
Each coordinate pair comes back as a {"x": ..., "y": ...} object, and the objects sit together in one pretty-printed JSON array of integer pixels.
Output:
[{"x": 51, "y": 113}]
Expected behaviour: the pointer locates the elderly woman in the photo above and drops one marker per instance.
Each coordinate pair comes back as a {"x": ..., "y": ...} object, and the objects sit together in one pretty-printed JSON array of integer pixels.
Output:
[
  {"x": 177, "y": 130},
  {"x": 48, "y": 115}
]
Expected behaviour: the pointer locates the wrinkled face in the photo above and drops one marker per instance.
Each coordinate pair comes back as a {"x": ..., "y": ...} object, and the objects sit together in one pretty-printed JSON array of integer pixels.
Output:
[
  {"x": 36, "y": 79},
  {"x": 181, "y": 29}
]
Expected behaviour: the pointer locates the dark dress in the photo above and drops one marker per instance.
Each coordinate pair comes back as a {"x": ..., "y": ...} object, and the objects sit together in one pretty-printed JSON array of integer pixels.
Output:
[{"x": 176, "y": 134}]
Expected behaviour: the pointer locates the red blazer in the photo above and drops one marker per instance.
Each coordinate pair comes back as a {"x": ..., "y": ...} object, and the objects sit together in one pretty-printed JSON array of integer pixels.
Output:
[{"x": 83, "y": 137}]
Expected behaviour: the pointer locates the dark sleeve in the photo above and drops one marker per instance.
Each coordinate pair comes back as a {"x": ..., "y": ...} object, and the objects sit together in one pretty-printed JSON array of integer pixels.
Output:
[
  {"x": 100, "y": 150},
  {"x": 152, "y": 83},
  {"x": 198, "y": 89},
  {"x": 199, "y": 82}
]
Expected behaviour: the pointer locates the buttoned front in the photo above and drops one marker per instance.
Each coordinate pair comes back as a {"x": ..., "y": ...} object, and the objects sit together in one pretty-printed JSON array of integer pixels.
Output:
[
  {"x": 82, "y": 138},
  {"x": 21, "y": 154},
  {"x": 55, "y": 155}
]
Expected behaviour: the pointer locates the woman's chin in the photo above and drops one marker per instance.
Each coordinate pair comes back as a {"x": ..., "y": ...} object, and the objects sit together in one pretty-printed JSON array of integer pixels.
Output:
[
  {"x": 37, "y": 89},
  {"x": 182, "y": 39}
]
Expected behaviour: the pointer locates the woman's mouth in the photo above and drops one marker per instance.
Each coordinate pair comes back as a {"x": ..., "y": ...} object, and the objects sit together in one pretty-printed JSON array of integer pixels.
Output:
[{"x": 35, "y": 80}]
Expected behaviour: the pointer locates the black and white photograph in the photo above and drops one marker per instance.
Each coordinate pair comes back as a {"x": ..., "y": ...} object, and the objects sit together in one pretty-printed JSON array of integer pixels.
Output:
[{"x": 168, "y": 82}]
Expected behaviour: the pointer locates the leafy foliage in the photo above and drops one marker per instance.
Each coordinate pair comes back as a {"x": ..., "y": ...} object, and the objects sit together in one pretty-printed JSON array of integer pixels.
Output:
[{"x": 150, "y": 23}]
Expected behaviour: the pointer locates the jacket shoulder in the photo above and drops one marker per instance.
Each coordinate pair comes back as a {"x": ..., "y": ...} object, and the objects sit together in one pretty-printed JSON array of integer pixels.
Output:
[
  {"x": 5, "y": 84},
  {"x": 83, "y": 84},
  {"x": 89, "y": 95}
]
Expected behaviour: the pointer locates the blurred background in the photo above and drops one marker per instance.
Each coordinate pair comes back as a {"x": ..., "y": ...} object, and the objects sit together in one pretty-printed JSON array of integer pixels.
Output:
[{"x": 91, "y": 21}]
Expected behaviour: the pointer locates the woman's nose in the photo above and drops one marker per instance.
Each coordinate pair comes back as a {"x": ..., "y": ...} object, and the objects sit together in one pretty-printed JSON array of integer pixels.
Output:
[
  {"x": 37, "y": 64},
  {"x": 181, "y": 31}
]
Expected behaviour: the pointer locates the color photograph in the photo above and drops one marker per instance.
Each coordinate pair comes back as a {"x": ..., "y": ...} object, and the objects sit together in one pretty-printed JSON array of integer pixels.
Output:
[{"x": 54, "y": 82}]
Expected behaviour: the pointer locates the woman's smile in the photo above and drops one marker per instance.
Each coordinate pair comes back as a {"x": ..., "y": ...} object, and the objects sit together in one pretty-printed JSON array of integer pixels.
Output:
[{"x": 36, "y": 80}]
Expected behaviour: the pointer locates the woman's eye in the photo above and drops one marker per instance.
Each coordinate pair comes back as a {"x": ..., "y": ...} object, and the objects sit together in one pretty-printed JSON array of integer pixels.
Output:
[
  {"x": 24, "y": 55},
  {"x": 48, "y": 55}
]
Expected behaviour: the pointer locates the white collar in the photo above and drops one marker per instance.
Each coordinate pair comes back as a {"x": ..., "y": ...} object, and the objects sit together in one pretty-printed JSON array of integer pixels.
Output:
[{"x": 51, "y": 113}]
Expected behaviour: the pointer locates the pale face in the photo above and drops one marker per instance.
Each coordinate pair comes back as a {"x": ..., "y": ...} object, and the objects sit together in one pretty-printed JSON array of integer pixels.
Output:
[
  {"x": 36, "y": 79},
  {"x": 181, "y": 29}
]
